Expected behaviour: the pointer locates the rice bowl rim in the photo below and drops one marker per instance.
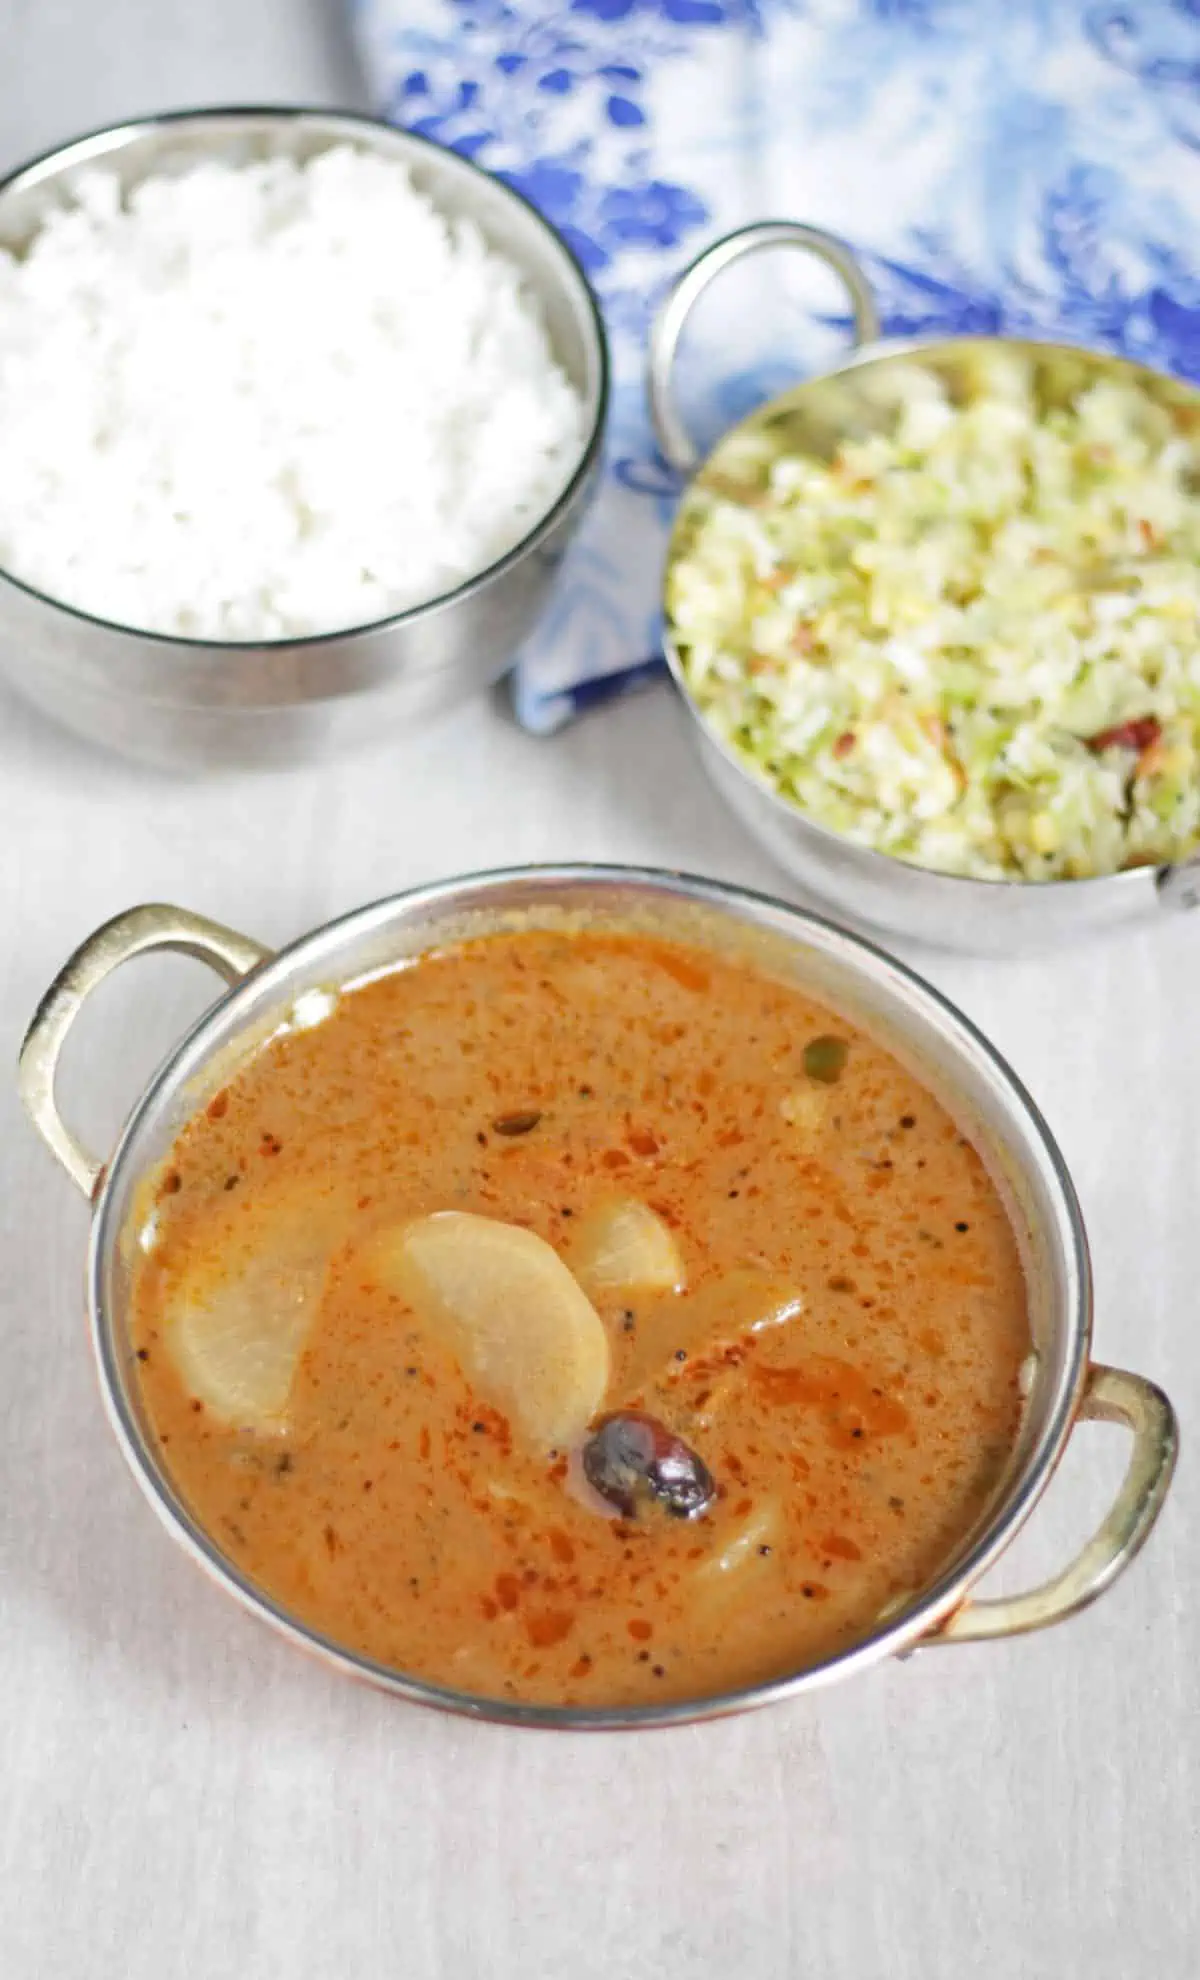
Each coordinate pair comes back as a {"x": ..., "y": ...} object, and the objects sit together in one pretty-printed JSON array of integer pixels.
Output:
[
  {"x": 110, "y": 139},
  {"x": 883, "y": 352}
]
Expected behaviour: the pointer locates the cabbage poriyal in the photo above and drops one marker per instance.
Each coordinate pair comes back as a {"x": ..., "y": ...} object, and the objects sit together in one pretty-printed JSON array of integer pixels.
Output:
[{"x": 970, "y": 640}]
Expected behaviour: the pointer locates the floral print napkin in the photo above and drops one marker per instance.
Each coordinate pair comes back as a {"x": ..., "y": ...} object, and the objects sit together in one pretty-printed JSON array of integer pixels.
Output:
[{"x": 999, "y": 165}]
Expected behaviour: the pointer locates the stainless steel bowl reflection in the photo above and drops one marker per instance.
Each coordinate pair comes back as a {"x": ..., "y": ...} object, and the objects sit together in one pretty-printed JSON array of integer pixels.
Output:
[
  {"x": 1001, "y": 917},
  {"x": 951, "y": 1057},
  {"x": 204, "y": 703}
]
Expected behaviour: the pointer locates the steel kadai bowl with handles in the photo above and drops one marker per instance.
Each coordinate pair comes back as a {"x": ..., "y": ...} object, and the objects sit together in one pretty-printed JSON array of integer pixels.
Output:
[
  {"x": 1065, "y": 1388},
  {"x": 209, "y": 704},
  {"x": 859, "y": 397}
]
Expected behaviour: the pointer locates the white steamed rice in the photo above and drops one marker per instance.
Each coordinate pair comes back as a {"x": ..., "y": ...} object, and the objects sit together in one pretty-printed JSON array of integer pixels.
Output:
[
  {"x": 263, "y": 401},
  {"x": 972, "y": 641}
]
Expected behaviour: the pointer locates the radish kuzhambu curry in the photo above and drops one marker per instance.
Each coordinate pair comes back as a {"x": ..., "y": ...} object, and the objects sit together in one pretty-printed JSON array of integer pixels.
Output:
[{"x": 581, "y": 1319}]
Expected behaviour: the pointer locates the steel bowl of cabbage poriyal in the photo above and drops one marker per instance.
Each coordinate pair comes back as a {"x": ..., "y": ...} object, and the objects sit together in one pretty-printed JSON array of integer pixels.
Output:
[
  {"x": 590, "y": 1297},
  {"x": 937, "y": 616}
]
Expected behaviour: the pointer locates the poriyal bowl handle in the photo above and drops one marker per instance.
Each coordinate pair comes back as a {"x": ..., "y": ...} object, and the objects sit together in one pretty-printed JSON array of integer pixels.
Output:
[{"x": 676, "y": 443}]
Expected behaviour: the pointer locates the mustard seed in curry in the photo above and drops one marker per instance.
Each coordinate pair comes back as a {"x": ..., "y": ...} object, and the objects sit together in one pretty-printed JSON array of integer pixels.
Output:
[{"x": 581, "y": 1319}]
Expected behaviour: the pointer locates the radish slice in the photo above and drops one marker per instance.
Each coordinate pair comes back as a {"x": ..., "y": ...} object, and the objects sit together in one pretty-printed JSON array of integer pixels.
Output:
[
  {"x": 625, "y": 1247},
  {"x": 526, "y": 1335},
  {"x": 237, "y": 1336}
]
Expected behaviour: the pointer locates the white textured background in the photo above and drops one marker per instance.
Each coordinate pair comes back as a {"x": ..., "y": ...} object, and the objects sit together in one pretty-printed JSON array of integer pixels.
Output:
[{"x": 182, "y": 1798}]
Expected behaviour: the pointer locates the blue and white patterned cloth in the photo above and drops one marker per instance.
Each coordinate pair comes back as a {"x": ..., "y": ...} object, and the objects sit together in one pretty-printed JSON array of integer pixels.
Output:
[{"x": 1000, "y": 165}]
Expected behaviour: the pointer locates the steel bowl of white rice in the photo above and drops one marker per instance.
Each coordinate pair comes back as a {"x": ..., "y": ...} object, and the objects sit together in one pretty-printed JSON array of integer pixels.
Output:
[
  {"x": 298, "y": 414},
  {"x": 936, "y": 616}
]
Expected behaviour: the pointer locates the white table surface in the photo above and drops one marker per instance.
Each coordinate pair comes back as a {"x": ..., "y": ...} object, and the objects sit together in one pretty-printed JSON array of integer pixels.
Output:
[{"x": 181, "y": 1795}]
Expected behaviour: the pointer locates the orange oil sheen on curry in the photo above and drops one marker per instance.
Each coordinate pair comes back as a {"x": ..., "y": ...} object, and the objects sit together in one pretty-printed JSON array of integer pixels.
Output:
[{"x": 582, "y": 1319}]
